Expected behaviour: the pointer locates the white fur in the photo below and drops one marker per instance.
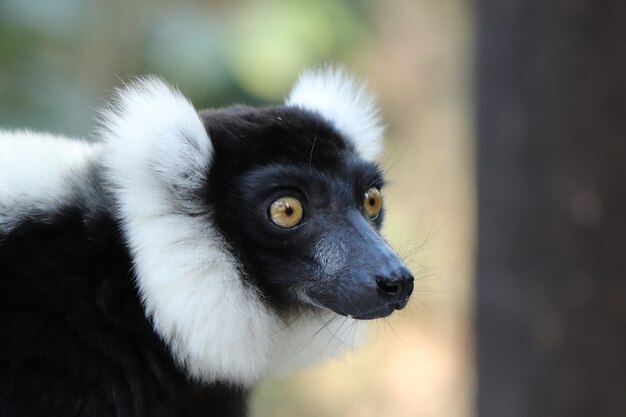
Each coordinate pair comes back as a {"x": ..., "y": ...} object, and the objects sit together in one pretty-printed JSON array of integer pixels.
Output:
[
  {"x": 217, "y": 327},
  {"x": 38, "y": 172},
  {"x": 344, "y": 102}
]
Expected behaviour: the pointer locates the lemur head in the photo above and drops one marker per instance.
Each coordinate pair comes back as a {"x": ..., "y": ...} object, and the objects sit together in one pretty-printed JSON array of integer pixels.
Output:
[
  {"x": 301, "y": 209},
  {"x": 253, "y": 217}
]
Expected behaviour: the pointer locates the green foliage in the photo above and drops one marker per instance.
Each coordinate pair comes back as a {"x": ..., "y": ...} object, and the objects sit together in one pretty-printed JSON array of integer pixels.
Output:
[{"x": 59, "y": 58}]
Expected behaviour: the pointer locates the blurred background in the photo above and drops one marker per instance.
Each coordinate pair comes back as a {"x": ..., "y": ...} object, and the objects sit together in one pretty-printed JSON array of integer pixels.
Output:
[{"x": 60, "y": 60}]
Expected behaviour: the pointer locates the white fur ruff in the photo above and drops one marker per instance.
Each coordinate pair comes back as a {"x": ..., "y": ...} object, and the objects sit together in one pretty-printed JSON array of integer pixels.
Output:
[
  {"x": 345, "y": 103},
  {"x": 216, "y": 325}
]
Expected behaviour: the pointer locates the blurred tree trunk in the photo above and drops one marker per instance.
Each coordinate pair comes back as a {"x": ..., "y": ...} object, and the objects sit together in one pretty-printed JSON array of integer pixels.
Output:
[{"x": 551, "y": 274}]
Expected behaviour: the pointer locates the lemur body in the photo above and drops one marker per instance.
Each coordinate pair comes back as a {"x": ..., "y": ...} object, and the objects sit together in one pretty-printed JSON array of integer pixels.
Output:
[{"x": 166, "y": 268}]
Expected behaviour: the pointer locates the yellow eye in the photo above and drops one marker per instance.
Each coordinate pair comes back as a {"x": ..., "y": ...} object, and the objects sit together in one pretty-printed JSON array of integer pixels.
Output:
[
  {"x": 286, "y": 212},
  {"x": 372, "y": 202}
]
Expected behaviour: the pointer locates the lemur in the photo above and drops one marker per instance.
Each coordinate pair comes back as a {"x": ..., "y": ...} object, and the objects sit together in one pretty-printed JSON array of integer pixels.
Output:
[{"x": 164, "y": 267}]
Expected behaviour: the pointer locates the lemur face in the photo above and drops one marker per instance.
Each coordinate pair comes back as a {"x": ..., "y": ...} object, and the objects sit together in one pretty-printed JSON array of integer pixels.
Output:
[{"x": 302, "y": 210}]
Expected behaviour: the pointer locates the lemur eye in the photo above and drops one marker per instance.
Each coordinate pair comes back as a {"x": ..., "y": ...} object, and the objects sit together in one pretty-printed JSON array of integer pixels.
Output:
[
  {"x": 372, "y": 202},
  {"x": 286, "y": 212}
]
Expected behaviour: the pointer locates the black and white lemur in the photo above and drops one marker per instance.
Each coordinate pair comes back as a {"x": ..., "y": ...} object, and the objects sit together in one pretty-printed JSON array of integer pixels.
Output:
[{"x": 184, "y": 255}]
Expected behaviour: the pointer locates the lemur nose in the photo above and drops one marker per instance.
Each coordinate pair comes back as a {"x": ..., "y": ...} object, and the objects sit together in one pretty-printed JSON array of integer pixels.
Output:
[{"x": 396, "y": 287}]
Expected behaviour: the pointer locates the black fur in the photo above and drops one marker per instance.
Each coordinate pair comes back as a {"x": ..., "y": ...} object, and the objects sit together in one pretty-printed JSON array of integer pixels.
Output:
[
  {"x": 261, "y": 156},
  {"x": 74, "y": 340}
]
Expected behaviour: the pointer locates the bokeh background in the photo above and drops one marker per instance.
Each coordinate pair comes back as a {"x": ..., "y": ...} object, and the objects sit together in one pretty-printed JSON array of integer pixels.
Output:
[{"x": 61, "y": 59}]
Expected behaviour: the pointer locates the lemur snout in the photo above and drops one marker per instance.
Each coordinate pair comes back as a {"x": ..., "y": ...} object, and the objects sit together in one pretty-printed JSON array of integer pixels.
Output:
[
  {"x": 396, "y": 288},
  {"x": 370, "y": 282}
]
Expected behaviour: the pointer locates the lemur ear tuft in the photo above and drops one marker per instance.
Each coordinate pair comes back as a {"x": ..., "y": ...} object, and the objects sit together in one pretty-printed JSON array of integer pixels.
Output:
[
  {"x": 156, "y": 140},
  {"x": 344, "y": 102}
]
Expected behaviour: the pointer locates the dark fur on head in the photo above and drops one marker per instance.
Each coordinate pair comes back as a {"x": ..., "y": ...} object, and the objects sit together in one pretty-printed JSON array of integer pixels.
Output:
[{"x": 264, "y": 154}]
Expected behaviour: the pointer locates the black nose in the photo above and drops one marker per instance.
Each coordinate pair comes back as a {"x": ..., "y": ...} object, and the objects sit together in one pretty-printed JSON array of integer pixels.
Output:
[{"x": 396, "y": 288}]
